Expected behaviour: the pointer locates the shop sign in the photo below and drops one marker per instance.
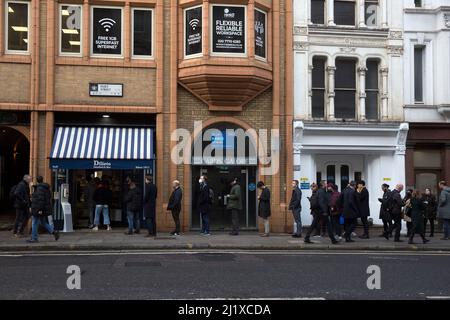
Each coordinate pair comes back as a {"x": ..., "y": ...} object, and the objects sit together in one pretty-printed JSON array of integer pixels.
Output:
[
  {"x": 107, "y": 31},
  {"x": 105, "y": 90},
  {"x": 228, "y": 29},
  {"x": 305, "y": 186},
  {"x": 193, "y": 31},
  {"x": 121, "y": 164},
  {"x": 260, "y": 33}
]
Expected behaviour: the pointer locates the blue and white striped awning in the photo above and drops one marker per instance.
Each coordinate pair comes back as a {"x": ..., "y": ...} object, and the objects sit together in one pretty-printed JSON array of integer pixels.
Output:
[{"x": 105, "y": 143}]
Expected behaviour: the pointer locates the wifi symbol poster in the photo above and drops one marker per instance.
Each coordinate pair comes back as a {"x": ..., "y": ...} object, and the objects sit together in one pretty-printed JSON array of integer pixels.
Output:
[
  {"x": 193, "y": 31},
  {"x": 107, "y": 31}
]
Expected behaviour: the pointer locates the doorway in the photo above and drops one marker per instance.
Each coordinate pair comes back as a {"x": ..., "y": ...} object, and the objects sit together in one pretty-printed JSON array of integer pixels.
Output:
[
  {"x": 219, "y": 178},
  {"x": 428, "y": 179}
]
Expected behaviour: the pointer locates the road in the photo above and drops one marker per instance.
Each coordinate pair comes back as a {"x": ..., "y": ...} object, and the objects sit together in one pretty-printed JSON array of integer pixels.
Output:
[{"x": 200, "y": 275}]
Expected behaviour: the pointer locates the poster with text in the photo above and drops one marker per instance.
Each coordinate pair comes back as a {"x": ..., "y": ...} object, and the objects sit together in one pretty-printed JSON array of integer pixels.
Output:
[
  {"x": 107, "y": 31},
  {"x": 193, "y": 27},
  {"x": 260, "y": 34},
  {"x": 228, "y": 23}
]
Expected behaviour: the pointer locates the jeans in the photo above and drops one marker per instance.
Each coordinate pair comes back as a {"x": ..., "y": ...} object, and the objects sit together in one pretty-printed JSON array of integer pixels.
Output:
[
  {"x": 316, "y": 221},
  {"x": 235, "y": 220},
  {"x": 133, "y": 221},
  {"x": 336, "y": 225},
  {"x": 151, "y": 225},
  {"x": 104, "y": 210},
  {"x": 21, "y": 219},
  {"x": 35, "y": 222},
  {"x": 205, "y": 222},
  {"x": 365, "y": 223},
  {"x": 397, "y": 226},
  {"x": 350, "y": 225},
  {"x": 446, "y": 227},
  {"x": 297, "y": 213},
  {"x": 176, "y": 220},
  {"x": 431, "y": 225}
]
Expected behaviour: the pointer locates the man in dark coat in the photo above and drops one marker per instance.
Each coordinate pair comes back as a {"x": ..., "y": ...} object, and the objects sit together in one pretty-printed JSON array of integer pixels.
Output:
[
  {"x": 430, "y": 203},
  {"x": 295, "y": 205},
  {"x": 234, "y": 204},
  {"x": 385, "y": 208},
  {"x": 89, "y": 191},
  {"x": 362, "y": 196},
  {"x": 174, "y": 206},
  {"x": 396, "y": 213},
  {"x": 133, "y": 201},
  {"x": 21, "y": 195},
  {"x": 103, "y": 199},
  {"x": 322, "y": 211},
  {"x": 264, "y": 210},
  {"x": 350, "y": 210},
  {"x": 150, "y": 195},
  {"x": 203, "y": 204},
  {"x": 41, "y": 208}
]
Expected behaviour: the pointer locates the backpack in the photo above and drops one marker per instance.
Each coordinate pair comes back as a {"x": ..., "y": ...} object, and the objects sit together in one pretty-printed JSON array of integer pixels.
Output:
[
  {"x": 12, "y": 193},
  {"x": 211, "y": 195}
]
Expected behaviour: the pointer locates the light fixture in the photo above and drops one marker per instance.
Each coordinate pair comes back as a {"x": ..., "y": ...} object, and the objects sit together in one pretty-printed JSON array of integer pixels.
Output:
[
  {"x": 10, "y": 10},
  {"x": 74, "y": 43},
  {"x": 106, "y": 116},
  {"x": 70, "y": 31},
  {"x": 20, "y": 29},
  {"x": 65, "y": 12}
]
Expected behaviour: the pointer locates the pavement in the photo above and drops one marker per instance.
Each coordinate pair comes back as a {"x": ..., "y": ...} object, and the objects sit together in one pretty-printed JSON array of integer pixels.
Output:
[{"x": 116, "y": 240}]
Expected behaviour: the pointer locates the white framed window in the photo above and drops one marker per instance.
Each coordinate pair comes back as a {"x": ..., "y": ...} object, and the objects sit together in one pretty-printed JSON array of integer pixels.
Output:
[
  {"x": 419, "y": 70},
  {"x": 106, "y": 31},
  {"x": 228, "y": 35},
  {"x": 193, "y": 32},
  {"x": 17, "y": 27},
  {"x": 142, "y": 35},
  {"x": 371, "y": 13},
  {"x": 70, "y": 28},
  {"x": 261, "y": 34},
  {"x": 317, "y": 11},
  {"x": 345, "y": 89},
  {"x": 345, "y": 12}
]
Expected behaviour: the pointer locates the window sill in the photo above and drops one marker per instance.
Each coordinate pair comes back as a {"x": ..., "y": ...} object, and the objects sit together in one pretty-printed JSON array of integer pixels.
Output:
[
  {"x": 102, "y": 62},
  {"x": 15, "y": 58}
]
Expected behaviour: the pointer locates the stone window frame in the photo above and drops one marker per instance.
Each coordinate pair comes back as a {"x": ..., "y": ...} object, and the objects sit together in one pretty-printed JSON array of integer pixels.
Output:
[
  {"x": 6, "y": 21},
  {"x": 142, "y": 57}
]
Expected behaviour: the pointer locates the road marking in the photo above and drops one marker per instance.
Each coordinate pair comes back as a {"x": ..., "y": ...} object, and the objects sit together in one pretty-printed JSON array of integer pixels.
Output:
[
  {"x": 438, "y": 297},
  {"x": 258, "y": 299}
]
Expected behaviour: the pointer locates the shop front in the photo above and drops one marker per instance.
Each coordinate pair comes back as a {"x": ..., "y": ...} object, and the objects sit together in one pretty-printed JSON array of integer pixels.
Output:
[{"x": 81, "y": 154}]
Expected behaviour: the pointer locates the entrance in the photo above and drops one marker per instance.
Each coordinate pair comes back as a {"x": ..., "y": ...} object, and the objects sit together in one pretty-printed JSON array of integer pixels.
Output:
[
  {"x": 14, "y": 164},
  {"x": 341, "y": 172},
  {"x": 219, "y": 178}
]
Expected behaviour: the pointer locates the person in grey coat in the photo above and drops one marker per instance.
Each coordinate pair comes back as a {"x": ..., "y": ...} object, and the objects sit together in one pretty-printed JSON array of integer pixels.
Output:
[
  {"x": 444, "y": 208},
  {"x": 295, "y": 206},
  {"x": 235, "y": 205}
]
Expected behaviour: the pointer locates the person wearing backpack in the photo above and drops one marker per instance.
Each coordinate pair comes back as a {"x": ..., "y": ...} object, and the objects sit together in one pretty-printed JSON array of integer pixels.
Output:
[
  {"x": 20, "y": 194},
  {"x": 41, "y": 208},
  {"x": 203, "y": 204},
  {"x": 386, "y": 208},
  {"x": 235, "y": 205}
]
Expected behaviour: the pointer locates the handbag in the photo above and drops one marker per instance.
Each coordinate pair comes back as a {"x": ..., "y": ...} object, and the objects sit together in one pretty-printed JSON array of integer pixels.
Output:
[{"x": 341, "y": 220}]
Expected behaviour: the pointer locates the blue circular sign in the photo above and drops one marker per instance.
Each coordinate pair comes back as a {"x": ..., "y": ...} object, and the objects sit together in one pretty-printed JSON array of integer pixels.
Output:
[{"x": 251, "y": 186}]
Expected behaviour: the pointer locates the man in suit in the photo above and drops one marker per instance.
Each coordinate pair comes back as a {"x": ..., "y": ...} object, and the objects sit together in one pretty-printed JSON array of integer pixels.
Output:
[
  {"x": 203, "y": 204},
  {"x": 396, "y": 214},
  {"x": 150, "y": 194},
  {"x": 295, "y": 206},
  {"x": 350, "y": 210},
  {"x": 174, "y": 206}
]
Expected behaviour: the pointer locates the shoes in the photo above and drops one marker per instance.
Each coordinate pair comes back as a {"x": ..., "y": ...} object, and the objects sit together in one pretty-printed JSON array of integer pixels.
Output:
[
  {"x": 431, "y": 235},
  {"x": 137, "y": 232},
  {"x": 265, "y": 235},
  {"x": 334, "y": 241},
  {"x": 233, "y": 233},
  {"x": 307, "y": 240},
  {"x": 364, "y": 236},
  {"x": 32, "y": 241},
  {"x": 349, "y": 240},
  {"x": 317, "y": 236},
  {"x": 398, "y": 240},
  {"x": 128, "y": 233},
  {"x": 95, "y": 228},
  {"x": 109, "y": 228},
  {"x": 90, "y": 226},
  {"x": 296, "y": 236},
  {"x": 207, "y": 234},
  {"x": 149, "y": 235},
  {"x": 425, "y": 241},
  {"x": 386, "y": 235},
  {"x": 56, "y": 235}
]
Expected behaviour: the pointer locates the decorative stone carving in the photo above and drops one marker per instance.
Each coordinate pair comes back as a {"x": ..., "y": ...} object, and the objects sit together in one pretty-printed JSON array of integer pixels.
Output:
[
  {"x": 303, "y": 46},
  {"x": 348, "y": 49},
  {"x": 298, "y": 129},
  {"x": 396, "y": 35},
  {"x": 447, "y": 20},
  {"x": 395, "y": 50},
  {"x": 300, "y": 31},
  {"x": 401, "y": 138}
]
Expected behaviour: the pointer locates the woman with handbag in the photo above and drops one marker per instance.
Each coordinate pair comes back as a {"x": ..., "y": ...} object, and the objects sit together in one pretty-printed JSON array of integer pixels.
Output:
[{"x": 417, "y": 208}]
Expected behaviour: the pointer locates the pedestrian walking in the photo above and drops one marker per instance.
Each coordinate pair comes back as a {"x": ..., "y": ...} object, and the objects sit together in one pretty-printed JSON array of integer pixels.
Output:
[
  {"x": 335, "y": 210},
  {"x": 41, "y": 208},
  {"x": 234, "y": 204},
  {"x": 396, "y": 214},
  {"x": 264, "y": 210},
  {"x": 20, "y": 194},
  {"x": 295, "y": 205},
  {"x": 103, "y": 199},
  {"x": 362, "y": 197},
  {"x": 417, "y": 218},
  {"x": 348, "y": 201},
  {"x": 430, "y": 203},
  {"x": 133, "y": 202},
  {"x": 174, "y": 206},
  {"x": 444, "y": 208},
  {"x": 204, "y": 204},
  {"x": 89, "y": 191},
  {"x": 407, "y": 211},
  {"x": 320, "y": 204},
  {"x": 150, "y": 195},
  {"x": 385, "y": 208}
]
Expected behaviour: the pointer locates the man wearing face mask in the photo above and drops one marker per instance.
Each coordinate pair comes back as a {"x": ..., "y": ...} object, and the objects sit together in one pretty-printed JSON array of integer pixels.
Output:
[{"x": 203, "y": 204}]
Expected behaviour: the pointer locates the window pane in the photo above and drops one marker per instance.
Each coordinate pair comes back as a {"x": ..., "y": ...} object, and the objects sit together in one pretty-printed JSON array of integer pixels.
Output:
[
  {"x": 17, "y": 26},
  {"x": 193, "y": 31},
  {"x": 372, "y": 105},
  {"x": 107, "y": 31},
  {"x": 345, "y": 176},
  {"x": 372, "y": 75},
  {"x": 427, "y": 159},
  {"x": 318, "y": 73},
  {"x": 418, "y": 74},
  {"x": 318, "y": 103},
  {"x": 371, "y": 12},
  {"x": 346, "y": 74},
  {"x": 70, "y": 29},
  {"x": 344, "y": 104},
  {"x": 344, "y": 13},
  {"x": 331, "y": 174},
  {"x": 142, "y": 37},
  {"x": 318, "y": 11}
]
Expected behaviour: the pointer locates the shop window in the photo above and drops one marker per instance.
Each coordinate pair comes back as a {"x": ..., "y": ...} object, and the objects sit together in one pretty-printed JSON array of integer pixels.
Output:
[
  {"x": 418, "y": 73},
  {"x": 193, "y": 31},
  {"x": 142, "y": 32},
  {"x": 17, "y": 24},
  {"x": 427, "y": 159},
  {"x": 345, "y": 89},
  {"x": 344, "y": 13},
  {"x": 260, "y": 34},
  {"x": 228, "y": 25},
  {"x": 345, "y": 176},
  {"x": 318, "y": 11},
  {"x": 70, "y": 29},
  {"x": 372, "y": 90},
  {"x": 318, "y": 87},
  {"x": 106, "y": 31},
  {"x": 371, "y": 12}
]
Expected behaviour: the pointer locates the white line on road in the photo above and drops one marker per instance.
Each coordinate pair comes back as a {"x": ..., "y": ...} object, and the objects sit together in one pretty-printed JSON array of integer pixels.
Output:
[
  {"x": 438, "y": 297},
  {"x": 272, "y": 299}
]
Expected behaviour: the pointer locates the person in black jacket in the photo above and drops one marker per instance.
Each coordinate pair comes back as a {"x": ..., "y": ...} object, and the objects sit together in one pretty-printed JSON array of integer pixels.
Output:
[
  {"x": 362, "y": 196},
  {"x": 41, "y": 208},
  {"x": 396, "y": 213},
  {"x": 174, "y": 206},
  {"x": 430, "y": 203},
  {"x": 264, "y": 211},
  {"x": 133, "y": 202},
  {"x": 385, "y": 208},
  {"x": 203, "y": 204},
  {"x": 21, "y": 195},
  {"x": 150, "y": 194},
  {"x": 295, "y": 206},
  {"x": 350, "y": 209},
  {"x": 320, "y": 206},
  {"x": 103, "y": 199}
]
